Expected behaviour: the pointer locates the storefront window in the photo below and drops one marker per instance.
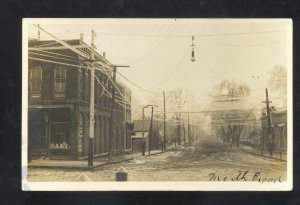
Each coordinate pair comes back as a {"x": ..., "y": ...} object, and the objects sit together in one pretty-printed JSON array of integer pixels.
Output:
[{"x": 59, "y": 141}]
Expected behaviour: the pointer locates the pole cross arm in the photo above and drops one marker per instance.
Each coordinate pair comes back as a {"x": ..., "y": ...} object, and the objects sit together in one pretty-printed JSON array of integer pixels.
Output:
[
  {"x": 122, "y": 66},
  {"x": 90, "y": 60}
]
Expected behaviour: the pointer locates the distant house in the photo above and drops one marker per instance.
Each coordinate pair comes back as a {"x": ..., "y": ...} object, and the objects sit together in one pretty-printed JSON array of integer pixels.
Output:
[
  {"x": 154, "y": 137},
  {"x": 278, "y": 126}
]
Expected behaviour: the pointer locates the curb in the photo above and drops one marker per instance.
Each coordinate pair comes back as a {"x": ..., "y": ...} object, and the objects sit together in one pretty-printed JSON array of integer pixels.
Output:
[
  {"x": 86, "y": 168},
  {"x": 82, "y": 168}
]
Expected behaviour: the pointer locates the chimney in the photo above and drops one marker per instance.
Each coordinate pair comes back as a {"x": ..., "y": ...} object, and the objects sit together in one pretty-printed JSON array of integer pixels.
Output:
[
  {"x": 103, "y": 54},
  {"x": 81, "y": 36}
]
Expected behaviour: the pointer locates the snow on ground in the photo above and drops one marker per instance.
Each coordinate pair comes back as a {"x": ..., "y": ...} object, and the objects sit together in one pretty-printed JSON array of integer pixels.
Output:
[{"x": 175, "y": 165}]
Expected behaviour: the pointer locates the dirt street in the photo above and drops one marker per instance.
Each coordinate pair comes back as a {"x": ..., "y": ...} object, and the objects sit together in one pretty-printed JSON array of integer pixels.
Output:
[{"x": 179, "y": 165}]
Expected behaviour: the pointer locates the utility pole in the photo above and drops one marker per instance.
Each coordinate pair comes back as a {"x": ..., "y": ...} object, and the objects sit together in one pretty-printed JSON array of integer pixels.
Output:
[
  {"x": 39, "y": 33},
  {"x": 164, "y": 138},
  {"x": 157, "y": 132},
  {"x": 188, "y": 129},
  {"x": 144, "y": 141},
  {"x": 151, "y": 130},
  {"x": 175, "y": 137},
  {"x": 125, "y": 120},
  {"x": 199, "y": 130},
  {"x": 270, "y": 137},
  {"x": 231, "y": 127},
  {"x": 143, "y": 132},
  {"x": 184, "y": 135},
  {"x": 92, "y": 104},
  {"x": 178, "y": 129},
  {"x": 112, "y": 112},
  {"x": 281, "y": 127}
]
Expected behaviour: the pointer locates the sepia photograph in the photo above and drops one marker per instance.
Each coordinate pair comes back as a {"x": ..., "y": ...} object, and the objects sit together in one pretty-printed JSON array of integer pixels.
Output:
[{"x": 157, "y": 104}]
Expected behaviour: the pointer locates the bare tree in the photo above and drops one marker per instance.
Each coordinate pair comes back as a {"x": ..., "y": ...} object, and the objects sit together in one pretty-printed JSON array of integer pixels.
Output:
[
  {"x": 176, "y": 100},
  {"x": 227, "y": 110},
  {"x": 278, "y": 82}
]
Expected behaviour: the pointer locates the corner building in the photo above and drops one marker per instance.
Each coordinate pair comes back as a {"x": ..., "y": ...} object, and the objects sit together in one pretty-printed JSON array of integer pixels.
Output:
[{"x": 59, "y": 103}]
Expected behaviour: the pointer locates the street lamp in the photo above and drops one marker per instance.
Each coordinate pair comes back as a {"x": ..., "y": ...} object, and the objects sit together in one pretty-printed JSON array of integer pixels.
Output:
[{"x": 193, "y": 52}]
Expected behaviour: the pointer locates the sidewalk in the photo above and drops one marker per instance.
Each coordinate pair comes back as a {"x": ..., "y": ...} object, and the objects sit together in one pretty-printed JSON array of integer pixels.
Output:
[
  {"x": 83, "y": 164},
  {"x": 276, "y": 155}
]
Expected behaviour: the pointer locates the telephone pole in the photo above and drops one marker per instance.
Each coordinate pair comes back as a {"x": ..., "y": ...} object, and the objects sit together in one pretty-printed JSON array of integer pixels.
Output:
[
  {"x": 39, "y": 33},
  {"x": 184, "y": 135},
  {"x": 125, "y": 122},
  {"x": 270, "y": 137},
  {"x": 111, "y": 129},
  {"x": 143, "y": 132},
  {"x": 188, "y": 129},
  {"x": 178, "y": 128},
  {"x": 92, "y": 104},
  {"x": 151, "y": 129},
  {"x": 164, "y": 138}
]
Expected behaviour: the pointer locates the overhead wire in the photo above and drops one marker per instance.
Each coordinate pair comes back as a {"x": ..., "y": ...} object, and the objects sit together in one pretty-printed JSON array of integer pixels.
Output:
[
  {"x": 240, "y": 45},
  {"x": 55, "y": 62},
  {"x": 49, "y": 56},
  {"x": 207, "y": 65},
  {"x": 115, "y": 84},
  {"x": 53, "y": 53},
  {"x": 161, "y": 42},
  {"x": 177, "y": 67},
  {"x": 196, "y": 35},
  {"x": 145, "y": 44}
]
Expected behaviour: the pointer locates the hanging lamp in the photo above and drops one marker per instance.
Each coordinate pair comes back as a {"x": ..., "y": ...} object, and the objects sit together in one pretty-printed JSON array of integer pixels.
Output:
[{"x": 193, "y": 52}]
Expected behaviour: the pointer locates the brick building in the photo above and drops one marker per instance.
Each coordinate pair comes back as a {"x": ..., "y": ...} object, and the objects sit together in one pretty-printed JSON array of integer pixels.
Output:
[{"x": 59, "y": 102}]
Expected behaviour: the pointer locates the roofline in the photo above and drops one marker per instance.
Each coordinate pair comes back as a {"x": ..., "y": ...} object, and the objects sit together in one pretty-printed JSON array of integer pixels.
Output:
[{"x": 60, "y": 46}]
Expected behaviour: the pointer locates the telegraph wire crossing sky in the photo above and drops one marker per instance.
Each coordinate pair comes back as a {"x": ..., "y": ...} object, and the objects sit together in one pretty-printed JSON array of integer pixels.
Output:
[{"x": 159, "y": 53}]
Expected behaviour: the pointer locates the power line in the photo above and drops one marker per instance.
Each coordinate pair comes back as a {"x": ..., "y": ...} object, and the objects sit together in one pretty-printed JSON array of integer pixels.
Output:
[
  {"x": 45, "y": 55},
  {"x": 55, "y": 62},
  {"x": 143, "y": 89},
  {"x": 207, "y": 65},
  {"x": 58, "y": 54},
  {"x": 196, "y": 35},
  {"x": 159, "y": 43},
  {"x": 146, "y": 43},
  {"x": 241, "y": 45},
  {"x": 173, "y": 72}
]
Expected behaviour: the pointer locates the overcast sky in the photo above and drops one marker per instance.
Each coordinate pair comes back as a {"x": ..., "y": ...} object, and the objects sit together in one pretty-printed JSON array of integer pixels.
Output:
[{"x": 158, "y": 51}]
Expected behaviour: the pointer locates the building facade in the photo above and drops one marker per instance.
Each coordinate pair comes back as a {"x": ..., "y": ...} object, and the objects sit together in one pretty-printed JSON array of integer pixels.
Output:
[
  {"x": 59, "y": 102},
  {"x": 152, "y": 138},
  {"x": 278, "y": 129}
]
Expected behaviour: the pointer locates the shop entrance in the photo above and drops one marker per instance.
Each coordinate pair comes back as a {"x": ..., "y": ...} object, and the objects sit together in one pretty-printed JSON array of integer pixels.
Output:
[
  {"x": 59, "y": 140},
  {"x": 37, "y": 143}
]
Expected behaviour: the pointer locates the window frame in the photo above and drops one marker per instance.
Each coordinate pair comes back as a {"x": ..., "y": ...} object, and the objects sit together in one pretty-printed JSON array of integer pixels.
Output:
[
  {"x": 61, "y": 92},
  {"x": 35, "y": 93}
]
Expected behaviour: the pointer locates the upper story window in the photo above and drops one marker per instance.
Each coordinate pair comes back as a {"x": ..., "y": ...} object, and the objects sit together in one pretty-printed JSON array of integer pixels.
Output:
[
  {"x": 87, "y": 86},
  {"x": 80, "y": 84},
  {"x": 60, "y": 76},
  {"x": 35, "y": 82}
]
